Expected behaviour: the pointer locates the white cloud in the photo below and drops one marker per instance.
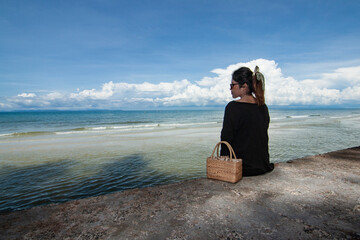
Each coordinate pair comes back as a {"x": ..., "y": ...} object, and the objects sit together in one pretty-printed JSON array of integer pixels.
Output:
[
  {"x": 53, "y": 96},
  {"x": 105, "y": 93},
  {"x": 27, "y": 95},
  {"x": 338, "y": 87}
]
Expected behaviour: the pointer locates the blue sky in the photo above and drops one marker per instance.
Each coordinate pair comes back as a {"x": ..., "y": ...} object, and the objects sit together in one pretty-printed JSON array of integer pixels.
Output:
[{"x": 123, "y": 54}]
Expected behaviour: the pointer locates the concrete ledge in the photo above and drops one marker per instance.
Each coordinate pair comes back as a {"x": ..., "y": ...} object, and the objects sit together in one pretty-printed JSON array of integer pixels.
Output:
[{"x": 308, "y": 198}]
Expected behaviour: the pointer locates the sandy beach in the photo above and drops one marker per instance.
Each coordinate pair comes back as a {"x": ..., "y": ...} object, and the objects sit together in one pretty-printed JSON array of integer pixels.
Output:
[{"x": 315, "y": 197}]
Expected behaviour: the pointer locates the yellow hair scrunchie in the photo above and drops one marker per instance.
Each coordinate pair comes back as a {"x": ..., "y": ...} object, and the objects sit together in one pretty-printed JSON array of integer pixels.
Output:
[{"x": 259, "y": 77}]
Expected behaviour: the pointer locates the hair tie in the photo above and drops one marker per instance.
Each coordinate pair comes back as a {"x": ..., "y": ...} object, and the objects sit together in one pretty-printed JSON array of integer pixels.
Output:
[{"x": 259, "y": 77}]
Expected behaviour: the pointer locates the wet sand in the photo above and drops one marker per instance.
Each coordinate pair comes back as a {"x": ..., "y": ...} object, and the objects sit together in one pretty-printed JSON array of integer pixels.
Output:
[{"x": 308, "y": 198}]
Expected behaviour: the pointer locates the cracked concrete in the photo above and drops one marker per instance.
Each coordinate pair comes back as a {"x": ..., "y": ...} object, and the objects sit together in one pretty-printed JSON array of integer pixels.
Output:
[{"x": 316, "y": 197}]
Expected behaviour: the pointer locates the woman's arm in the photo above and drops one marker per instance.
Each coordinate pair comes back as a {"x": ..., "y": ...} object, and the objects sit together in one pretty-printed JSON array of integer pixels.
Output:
[{"x": 226, "y": 132}]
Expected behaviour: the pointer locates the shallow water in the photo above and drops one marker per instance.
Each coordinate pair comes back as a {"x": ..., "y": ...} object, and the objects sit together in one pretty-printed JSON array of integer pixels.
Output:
[{"x": 48, "y": 157}]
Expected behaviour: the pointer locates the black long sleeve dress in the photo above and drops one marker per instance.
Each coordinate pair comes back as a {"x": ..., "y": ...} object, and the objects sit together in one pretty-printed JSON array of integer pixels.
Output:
[{"x": 245, "y": 127}]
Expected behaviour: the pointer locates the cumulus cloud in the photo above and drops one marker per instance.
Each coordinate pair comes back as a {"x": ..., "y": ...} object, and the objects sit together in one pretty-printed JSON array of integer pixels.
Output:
[
  {"x": 338, "y": 87},
  {"x": 27, "y": 95}
]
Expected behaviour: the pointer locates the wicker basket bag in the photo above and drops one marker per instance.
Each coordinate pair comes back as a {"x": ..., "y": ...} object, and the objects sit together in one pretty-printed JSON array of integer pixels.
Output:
[{"x": 224, "y": 168}]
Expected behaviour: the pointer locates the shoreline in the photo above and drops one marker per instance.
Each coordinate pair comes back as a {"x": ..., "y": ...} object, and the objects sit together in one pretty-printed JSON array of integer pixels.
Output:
[{"x": 306, "y": 198}]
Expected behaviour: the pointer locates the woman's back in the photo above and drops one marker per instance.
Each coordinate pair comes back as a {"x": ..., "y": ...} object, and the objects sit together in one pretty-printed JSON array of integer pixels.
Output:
[{"x": 245, "y": 128}]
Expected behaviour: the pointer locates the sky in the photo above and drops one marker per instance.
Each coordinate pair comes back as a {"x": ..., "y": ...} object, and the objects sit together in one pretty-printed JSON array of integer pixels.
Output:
[{"x": 150, "y": 54}]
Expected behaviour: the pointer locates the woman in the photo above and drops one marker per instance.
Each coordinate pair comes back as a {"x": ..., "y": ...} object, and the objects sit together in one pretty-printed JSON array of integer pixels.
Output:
[{"x": 246, "y": 122}]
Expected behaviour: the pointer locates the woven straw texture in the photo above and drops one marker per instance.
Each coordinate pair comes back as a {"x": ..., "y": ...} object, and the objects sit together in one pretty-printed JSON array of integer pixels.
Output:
[{"x": 226, "y": 169}]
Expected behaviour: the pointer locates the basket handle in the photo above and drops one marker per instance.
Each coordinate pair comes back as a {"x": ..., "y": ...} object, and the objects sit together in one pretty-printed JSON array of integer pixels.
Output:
[{"x": 231, "y": 150}]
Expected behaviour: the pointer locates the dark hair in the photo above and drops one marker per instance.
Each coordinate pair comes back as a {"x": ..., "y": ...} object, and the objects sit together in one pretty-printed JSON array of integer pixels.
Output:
[{"x": 245, "y": 75}]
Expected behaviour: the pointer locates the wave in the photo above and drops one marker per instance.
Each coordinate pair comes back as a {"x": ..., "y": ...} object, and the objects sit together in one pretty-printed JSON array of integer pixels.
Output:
[
  {"x": 349, "y": 116},
  {"x": 303, "y": 116},
  {"x": 80, "y": 129},
  {"x": 187, "y": 124},
  {"x": 120, "y": 127},
  {"x": 128, "y": 122},
  {"x": 105, "y": 128},
  {"x": 24, "y": 134}
]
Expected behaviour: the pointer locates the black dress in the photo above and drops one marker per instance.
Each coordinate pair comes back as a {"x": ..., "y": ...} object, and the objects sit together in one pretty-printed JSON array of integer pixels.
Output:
[{"x": 245, "y": 127}]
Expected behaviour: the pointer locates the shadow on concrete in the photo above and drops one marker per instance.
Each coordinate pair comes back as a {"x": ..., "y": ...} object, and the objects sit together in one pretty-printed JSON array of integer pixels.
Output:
[{"x": 350, "y": 155}]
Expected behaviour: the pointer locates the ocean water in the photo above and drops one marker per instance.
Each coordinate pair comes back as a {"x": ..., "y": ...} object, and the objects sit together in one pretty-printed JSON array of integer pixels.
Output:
[{"x": 52, "y": 157}]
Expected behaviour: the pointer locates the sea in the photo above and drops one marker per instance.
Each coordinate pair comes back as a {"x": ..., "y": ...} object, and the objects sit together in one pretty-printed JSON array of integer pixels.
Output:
[{"x": 56, "y": 156}]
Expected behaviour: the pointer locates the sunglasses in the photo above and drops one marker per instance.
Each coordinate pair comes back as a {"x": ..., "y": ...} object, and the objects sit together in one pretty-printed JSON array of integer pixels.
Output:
[{"x": 233, "y": 84}]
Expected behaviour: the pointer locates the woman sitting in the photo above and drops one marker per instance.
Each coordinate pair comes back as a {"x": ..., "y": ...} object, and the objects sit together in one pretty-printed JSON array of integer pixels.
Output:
[{"x": 246, "y": 122}]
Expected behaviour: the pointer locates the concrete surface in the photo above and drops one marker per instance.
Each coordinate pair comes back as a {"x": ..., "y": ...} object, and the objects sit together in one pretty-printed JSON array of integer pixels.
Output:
[{"x": 315, "y": 197}]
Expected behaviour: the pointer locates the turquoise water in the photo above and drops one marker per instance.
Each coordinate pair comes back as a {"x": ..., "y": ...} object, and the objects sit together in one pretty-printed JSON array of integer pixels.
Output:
[{"x": 49, "y": 157}]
